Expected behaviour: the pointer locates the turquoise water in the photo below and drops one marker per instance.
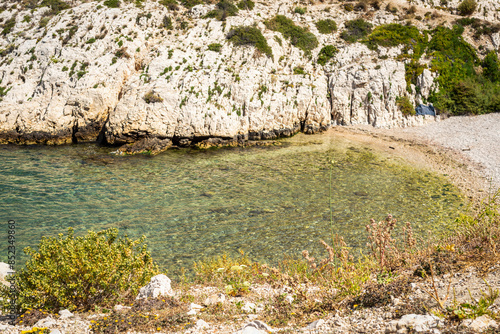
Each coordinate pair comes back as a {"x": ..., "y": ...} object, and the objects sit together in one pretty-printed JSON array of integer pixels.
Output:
[{"x": 191, "y": 204}]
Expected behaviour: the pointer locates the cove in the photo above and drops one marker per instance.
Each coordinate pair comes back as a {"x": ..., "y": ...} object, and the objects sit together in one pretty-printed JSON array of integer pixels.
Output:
[{"x": 191, "y": 204}]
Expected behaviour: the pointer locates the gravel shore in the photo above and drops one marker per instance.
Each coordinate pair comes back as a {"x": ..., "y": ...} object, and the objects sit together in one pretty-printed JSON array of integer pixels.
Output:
[{"x": 477, "y": 137}]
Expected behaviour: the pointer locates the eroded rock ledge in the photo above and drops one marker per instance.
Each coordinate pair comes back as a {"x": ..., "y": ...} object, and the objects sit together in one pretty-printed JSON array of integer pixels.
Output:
[{"x": 119, "y": 75}]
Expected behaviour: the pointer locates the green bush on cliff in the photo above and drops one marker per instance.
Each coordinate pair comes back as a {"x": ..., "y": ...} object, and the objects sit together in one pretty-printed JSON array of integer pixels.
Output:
[
  {"x": 491, "y": 67},
  {"x": 246, "y": 5},
  {"x": 244, "y": 35},
  {"x": 170, "y": 4},
  {"x": 467, "y": 7},
  {"x": 394, "y": 34},
  {"x": 78, "y": 273},
  {"x": 326, "y": 53},
  {"x": 223, "y": 9},
  {"x": 461, "y": 89},
  {"x": 355, "y": 30},
  {"x": 56, "y": 6},
  {"x": 112, "y": 3},
  {"x": 8, "y": 25},
  {"x": 405, "y": 106},
  {"x": 326, "y": 26},
  {"x": 298, "y": 36}
]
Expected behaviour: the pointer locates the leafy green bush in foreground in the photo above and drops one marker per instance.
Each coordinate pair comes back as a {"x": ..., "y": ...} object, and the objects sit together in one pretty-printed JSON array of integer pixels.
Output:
[{"x": 98, "y": 269}]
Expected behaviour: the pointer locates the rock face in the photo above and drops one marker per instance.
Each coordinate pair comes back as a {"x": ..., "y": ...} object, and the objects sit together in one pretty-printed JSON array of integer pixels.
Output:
[{"x": 118, "y": 75}]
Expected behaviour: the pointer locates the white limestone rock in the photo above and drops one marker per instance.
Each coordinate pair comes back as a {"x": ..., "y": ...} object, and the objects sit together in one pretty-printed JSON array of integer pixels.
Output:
[
  {"x": 158, "y": 286},
  {"x": 416, "y": 322}
]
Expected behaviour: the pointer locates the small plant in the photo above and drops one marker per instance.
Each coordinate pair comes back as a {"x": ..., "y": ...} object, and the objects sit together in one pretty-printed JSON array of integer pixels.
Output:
[
  {"x": 167, "y": 22},
  {"x": 326, "y": 26},
  {"x": 37, "y": 330},
  {"x": 216, "y": 47},
  {"x": 348, "y": 7},
  {"x": 475, "y": 308},
  {"x": 244, "y": 35},
  {"x": 405, "y": 106},
  {"x": 300, "y": 10},
  {"x": 299, "y": 70},
  {"x": 246, "y": 5},
  {"x": 152, "y": 97},
  {"x": 326, "y": 53},
  {"x": 82, "y": 272},
  {"x": 122, "y": 53},
  {"x": 355, "y": 30},
  {"x": 467, "y": 7}
]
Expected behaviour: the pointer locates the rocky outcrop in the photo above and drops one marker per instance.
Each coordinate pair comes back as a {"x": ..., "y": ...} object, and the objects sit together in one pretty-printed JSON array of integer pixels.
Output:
[{"x": 119, "y": 75}]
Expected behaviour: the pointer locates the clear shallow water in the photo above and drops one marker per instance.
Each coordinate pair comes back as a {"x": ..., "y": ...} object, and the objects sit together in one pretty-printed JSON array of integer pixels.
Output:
[{"x": 192, "y": 204}]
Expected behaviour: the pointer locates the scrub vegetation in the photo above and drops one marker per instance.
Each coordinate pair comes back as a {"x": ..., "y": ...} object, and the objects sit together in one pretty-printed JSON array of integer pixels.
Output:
[
  {"x": 298, "y": 36},
  {"x": 244, "y": 35}
]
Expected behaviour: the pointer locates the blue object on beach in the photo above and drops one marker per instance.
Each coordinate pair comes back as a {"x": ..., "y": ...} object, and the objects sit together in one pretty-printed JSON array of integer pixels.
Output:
[{"x": 422, "y": 109}]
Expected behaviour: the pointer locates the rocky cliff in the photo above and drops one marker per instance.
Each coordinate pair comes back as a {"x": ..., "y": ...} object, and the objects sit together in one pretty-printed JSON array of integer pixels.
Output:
[{"x": 85, "y": 71}]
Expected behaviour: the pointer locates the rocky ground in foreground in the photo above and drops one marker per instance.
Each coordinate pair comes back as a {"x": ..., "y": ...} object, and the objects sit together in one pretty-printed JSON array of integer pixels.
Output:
[{"x": 400, "y": 314}]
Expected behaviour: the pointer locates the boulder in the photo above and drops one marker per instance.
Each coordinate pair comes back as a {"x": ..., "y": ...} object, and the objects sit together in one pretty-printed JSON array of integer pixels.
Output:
[{"x": 158, "y": 286}]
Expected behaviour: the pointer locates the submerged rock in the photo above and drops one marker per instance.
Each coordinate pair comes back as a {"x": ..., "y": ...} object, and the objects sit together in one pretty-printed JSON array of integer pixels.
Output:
[{"x": 146, "y": 145}]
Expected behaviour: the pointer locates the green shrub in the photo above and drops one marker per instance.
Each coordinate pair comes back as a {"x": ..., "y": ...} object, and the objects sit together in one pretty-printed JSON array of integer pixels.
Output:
[
  {"x": 246, "y": 5},
  {"x": 98, "y": 269},
  {"x": 8, "y": 25},
  {"x": 413, "y": 70},
  {"x": 170, "y": 4},
  {"x": 405, "y": 106},
  {"x": 216, "y": 47},
  {"x": 299, "y": 70},
  {"x": 191, "y": 3},
  {"x": 300, "y": 10},
  {"x": 453, "y": 58},
  {"x": 326, "y": 26},
  {"x": 167, "y": 23},
  {"x": 112, "y": 3},
  {"x": 244, "y": 35},
  {"x": 467, "y": 7},
  {"x": 223, "y": 9},
  {"x": 44, "y": 21},
  {"x": 473, "y": 95},
  {"x": 348, "y": 7},
  {"x": 491, "y": 67},
  {"x": 326, "y": 53},
  {"x": 355, "y": 30},
  {"x": 56, "y": 6},
  {"x": 152, "y": 97},
  {"x": 394, "y": 34},
  {"x": 298, "y": 36}
]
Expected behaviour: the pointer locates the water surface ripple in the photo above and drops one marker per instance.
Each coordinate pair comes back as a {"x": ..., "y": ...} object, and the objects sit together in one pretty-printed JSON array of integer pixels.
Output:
[{"x": 191, "y": 204}]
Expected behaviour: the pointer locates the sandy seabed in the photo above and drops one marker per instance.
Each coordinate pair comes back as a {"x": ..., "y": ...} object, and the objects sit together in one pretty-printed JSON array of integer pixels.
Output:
[{"x": 465, "y": 149}]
